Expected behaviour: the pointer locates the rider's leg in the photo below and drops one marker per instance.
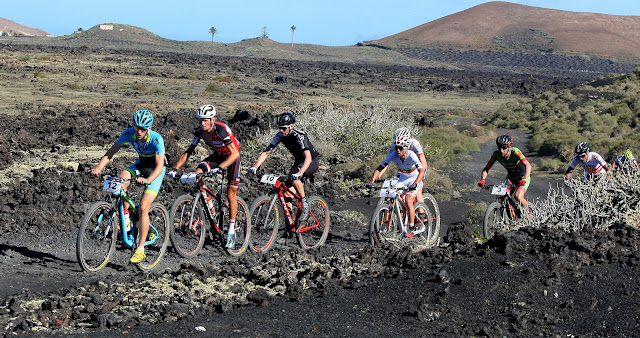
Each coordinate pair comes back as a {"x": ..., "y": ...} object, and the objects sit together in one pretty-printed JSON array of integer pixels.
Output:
[
  {"x": 409, "y": 198},
  {"x": 125, "y": 174},
  {"x": 232, "y": 191},
  {"x": 143, "y": 223},
  {"x": 520, "y": 196}
]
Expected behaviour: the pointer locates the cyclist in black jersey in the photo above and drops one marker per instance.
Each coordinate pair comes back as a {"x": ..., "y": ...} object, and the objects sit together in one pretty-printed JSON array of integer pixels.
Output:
[{"x": 304, "y": 153}]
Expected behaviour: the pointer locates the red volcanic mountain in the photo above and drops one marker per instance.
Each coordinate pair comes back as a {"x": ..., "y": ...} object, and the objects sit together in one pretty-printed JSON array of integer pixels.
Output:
[
  {"x": 507, "y": 26},
  {"x": 14, "y": 28}
]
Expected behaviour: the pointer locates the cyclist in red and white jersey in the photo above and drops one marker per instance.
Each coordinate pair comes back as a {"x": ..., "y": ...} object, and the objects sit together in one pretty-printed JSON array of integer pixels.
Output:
[
  {"x": 594, "y": 165},
  {"x": 226, "y": 155},
  {"x": 416, "y": 147},
  {"x": 410, "y": 173}
]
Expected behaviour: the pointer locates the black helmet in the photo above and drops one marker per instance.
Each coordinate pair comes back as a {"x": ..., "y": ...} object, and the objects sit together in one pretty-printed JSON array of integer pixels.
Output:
[
  {"x": 582, "y": 148},
  {"x": 504, "y": 140},
  {"x": 286, "y": 119}
]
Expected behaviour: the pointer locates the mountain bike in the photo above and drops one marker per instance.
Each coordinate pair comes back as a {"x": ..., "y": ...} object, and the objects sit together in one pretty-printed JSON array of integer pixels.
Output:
[
  {"x": 191, "y": 213},
  {"x": 502, "y": 213},
  {"x": 268, "y": 212},
  {"x": 389, "y": 221},
  {"x": 103, "y": 224},
  {"x": 434, "y": 212}
]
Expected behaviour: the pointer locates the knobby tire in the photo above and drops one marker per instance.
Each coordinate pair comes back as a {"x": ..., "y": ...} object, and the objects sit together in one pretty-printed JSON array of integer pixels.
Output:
[
  {"x": 313, "y": 231},
  {"x": 97, "y": 235},
  {"x": 188, "y": 228},
  {"x": 159, "y": 219},
  {"x": 266, "y": 216}
]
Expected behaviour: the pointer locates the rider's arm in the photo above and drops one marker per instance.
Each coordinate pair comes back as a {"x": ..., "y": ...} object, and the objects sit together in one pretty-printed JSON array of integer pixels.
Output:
[
  {"x": 261, "y": 158},
  {"x": 423, "y": 161},
  {"x": 606, "y": 167},
  {"x": 156, "y": 172},
  {"x": 567, "y": 174},
  {"x": 376, "y": 174},
  {"x": 307, "y": 162},
  {"x": 527, "y": 171},
  {"x": 235, "y": 154},
  {"x": 105, "y": 159},
  {"x": 184, "y": 157},
  {"x": 421, "y": 172}
]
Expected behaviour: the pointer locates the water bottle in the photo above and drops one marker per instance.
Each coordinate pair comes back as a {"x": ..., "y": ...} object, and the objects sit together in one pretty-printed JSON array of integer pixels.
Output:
[
  {"x": 209, "y": 200},
  {"x": 127, "y": 221}
]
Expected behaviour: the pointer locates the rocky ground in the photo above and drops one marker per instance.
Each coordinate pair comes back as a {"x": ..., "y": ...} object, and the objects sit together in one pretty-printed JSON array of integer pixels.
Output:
[{"x": 524, "y": 283}]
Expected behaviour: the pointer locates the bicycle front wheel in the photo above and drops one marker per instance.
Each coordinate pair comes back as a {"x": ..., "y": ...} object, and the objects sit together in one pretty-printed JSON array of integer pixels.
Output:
[
  {"x": 313, "y": 231},
  {"x": 383, "y": 226},
  {"x": 242, "y": 229},
  {"x": 266, "y": 215},
  {"x": 494, "y": 220},
  {"x": 97, "y": 236},
  {"x": 187, "y": 231},
  {"x": 157, "y": 238}
]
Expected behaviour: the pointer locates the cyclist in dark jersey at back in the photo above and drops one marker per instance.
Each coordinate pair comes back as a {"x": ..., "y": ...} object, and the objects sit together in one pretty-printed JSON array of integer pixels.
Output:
[
  {"x": 517, "y": 165},
  {"x": 226, "y": 155},
  {"x": 304, "y": 154}
]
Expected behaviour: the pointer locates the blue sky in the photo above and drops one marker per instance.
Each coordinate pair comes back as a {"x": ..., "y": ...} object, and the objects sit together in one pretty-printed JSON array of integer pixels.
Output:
[{"x": 327, "y": 22}]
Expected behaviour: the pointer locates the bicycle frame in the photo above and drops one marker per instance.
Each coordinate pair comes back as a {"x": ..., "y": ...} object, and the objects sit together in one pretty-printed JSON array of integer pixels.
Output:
[
  {"x": 510, "y": 205},
  {"x": 114, "y": 186},
  {"x": 280, "y": 187},
  {"x": 393, "y": 193},
  {"x": 201, "y": 186}
]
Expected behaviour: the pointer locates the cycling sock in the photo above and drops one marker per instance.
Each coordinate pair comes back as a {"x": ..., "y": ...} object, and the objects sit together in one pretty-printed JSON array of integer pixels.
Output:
[{"x": 232, "y": 226}]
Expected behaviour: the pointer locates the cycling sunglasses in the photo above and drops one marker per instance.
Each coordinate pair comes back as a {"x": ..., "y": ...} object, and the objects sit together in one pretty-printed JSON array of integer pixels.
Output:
[
  {"x": 140, "y": 129},
  {"x": 504, "y": 147}
]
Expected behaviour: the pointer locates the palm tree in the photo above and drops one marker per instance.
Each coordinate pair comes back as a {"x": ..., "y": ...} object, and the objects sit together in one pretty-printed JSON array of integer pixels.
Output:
[
  {"x": 213, "y": 32},
  {"x": 293, "y": 29}
]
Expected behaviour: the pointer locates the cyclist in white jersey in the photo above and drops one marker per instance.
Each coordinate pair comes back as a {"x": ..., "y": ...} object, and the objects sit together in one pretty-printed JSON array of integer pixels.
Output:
[
  {"x": 410, "y": 173},
  {"x": 594, "y": 165}
]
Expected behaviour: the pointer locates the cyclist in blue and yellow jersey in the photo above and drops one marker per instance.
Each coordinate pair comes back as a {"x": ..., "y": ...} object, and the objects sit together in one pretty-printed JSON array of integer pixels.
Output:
[
  {"x": 305, "y": 155},
  {"x": 150, "y": 167},
  {"x": 625, "y": 160},
  {"x": 226, "y": 155},
  {"x": 517, "y": 165}
]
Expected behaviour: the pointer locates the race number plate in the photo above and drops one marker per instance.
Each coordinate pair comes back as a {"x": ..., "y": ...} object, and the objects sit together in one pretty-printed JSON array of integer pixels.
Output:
[
  {"x": 112, "y": 184},
  {"x": 389, "y": 188},
  {"x": 188, "y": 177},
  {"x": 499, "y": 190},
  {"x": 269, "y": 178}
]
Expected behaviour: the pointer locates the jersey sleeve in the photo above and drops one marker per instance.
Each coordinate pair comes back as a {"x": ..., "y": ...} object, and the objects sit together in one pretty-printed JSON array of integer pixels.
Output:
[
  {"x": 223, "y": 134},
  {"x": 574, "y": 162},
  {"x": 197, "y": 135},
  {"x": 388, "y": 160},
  {"x": 519, "y": 154},
  {"x": 274, "y": 143},
  {"x": 416, "y": 147},
  {"x": 126, "y": 136},
  {"x": 414, "y": 157},
  {"x": 159, "y": 143}
]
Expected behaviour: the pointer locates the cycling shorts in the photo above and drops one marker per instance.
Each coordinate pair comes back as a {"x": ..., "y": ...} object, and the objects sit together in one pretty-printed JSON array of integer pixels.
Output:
[
  {"x": 138, "y": 170},
  {"x": 214, "y": 160},
  {"x": 409, "y": 179},
  {"x": 514, "y": 182},
  {"x": 312, "y": 169}
]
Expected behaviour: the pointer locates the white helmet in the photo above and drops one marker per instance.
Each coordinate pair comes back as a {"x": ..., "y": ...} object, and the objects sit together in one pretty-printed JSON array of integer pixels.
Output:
[
  {"x": 206, "y": 112},
  {"x": 402, "y": 141},
  {"x": 401, "y": 132}
]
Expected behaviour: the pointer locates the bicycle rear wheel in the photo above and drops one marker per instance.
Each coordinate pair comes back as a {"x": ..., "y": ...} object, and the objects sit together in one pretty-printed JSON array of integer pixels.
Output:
[
  {"x": 157, "y": 238},
  {"x": 494, "y": 220},
  {"x": 266, "y": 215},
  {"x": 96, "y": 238},
  {"x": 434, "y": 213},
  {"x": 313, "y": 231},
  {"x": 242, "y": 228},
  {"x": 188, "y": 229},
  {"x": 383, "y": 226}
]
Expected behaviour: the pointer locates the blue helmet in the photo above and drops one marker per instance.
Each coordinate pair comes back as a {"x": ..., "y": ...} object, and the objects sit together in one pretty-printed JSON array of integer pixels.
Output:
[{"x": 143, "y": 118}]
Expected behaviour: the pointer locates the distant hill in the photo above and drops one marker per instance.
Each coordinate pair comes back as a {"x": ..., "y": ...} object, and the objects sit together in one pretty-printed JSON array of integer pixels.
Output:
[
  {"x": 14, "y": 28},
  {"x": 513, "y": 27}
]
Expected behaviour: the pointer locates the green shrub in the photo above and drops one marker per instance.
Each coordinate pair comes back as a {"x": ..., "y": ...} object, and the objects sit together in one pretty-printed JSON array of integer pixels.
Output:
[
  {"x": 74, "y": 86},
  {"x": 212, "y": 87},
  {"x": 139, "y": 87}
]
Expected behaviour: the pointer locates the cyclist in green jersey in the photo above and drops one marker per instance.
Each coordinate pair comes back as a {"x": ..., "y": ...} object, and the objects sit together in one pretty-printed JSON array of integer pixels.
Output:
[{"x": 517, "y": 165}]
